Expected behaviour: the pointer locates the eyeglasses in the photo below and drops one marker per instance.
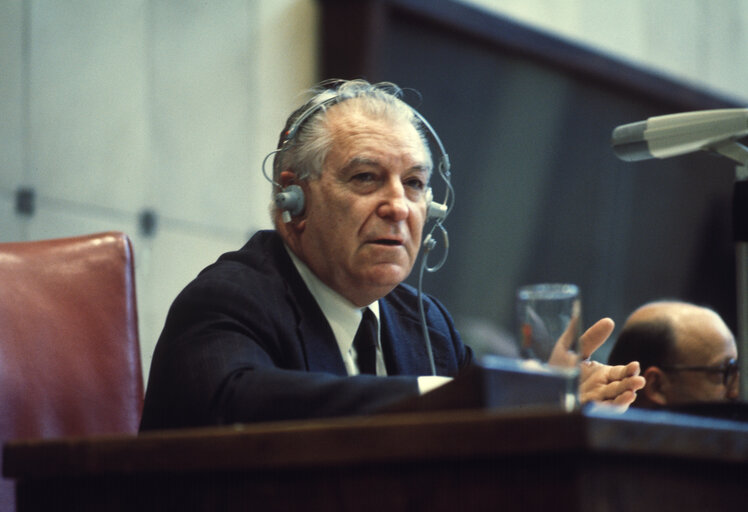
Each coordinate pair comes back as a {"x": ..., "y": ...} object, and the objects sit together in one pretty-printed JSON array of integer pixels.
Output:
[{"x": 729, "y": 370}]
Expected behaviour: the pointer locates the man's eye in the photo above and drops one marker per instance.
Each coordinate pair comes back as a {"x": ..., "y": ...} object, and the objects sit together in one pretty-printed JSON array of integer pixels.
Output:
[
  {"x": 415, "y": 184},
  {"x": 363, "y": 177}
]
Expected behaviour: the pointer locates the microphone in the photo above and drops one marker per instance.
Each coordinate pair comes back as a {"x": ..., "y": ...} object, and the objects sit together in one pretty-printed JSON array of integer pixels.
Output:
[{"x": 678, "y": 134}]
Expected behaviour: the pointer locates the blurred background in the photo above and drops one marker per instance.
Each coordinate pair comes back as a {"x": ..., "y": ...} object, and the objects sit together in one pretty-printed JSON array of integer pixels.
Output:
[{"x": 152, "y": 117}]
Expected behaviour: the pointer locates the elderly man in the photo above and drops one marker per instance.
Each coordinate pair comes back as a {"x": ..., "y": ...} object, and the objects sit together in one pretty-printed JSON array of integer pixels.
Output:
[
  {"x": 271, "y": 331},
  {"x": 687, "y": 354}
]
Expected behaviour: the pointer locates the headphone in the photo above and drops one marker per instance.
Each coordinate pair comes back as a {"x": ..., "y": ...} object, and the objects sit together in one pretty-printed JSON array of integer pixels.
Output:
[{"x": 290, "y": 200}]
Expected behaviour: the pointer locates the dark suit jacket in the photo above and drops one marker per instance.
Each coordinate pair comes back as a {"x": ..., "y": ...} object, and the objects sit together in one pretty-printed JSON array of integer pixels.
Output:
[{"x": 246, "y": 341}]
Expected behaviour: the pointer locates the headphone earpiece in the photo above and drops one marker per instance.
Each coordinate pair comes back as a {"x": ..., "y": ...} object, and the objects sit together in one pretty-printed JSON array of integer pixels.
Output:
[
  {"x": 290, "y": 201},
  {"x": 434, "y": 210}
]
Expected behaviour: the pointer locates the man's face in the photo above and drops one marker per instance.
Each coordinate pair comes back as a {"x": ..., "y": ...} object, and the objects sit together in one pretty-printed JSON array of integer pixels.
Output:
[
  {"x": 364, "y": 215},
  {"x": 702, "y": 340}
]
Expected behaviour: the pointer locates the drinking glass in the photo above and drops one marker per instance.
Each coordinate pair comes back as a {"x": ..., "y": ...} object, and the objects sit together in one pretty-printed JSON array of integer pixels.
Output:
[{"x": 549, "y": 320}]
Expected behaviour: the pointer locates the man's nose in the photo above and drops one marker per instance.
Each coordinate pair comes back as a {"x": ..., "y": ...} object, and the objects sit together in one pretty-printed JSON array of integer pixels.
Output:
[{"x": 394, "y": 205}]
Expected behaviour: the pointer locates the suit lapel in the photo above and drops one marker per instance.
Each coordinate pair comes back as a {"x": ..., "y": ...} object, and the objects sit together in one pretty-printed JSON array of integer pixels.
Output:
[
  {"x": 403, "y": 344},
  {"x": 321, "y": 351}
]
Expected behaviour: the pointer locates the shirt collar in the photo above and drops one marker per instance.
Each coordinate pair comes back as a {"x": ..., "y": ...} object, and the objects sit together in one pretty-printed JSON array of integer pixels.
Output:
[{"x": 343, "y": 316}]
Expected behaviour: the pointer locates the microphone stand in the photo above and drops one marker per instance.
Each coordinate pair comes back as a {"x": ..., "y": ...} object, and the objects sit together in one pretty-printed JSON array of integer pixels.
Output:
[{"x": 739, "y": 154}]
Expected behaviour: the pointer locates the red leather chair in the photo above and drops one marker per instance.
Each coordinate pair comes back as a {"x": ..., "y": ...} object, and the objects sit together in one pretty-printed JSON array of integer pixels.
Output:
[{"x": 69, "y": 351}]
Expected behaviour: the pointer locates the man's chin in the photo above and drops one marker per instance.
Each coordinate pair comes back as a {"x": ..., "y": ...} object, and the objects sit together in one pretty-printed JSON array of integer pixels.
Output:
[{"x": 386, "y": 281}]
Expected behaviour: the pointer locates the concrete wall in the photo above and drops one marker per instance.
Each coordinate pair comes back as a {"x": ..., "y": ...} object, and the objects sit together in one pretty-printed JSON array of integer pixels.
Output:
[{"x": 112, "y": 110}]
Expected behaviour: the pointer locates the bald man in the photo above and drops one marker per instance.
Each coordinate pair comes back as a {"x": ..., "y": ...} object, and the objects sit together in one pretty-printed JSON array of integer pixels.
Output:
[{"x": 687, "y": 354}]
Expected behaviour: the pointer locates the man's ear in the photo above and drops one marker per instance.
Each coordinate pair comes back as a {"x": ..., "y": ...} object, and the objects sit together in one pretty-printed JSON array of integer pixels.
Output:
[
  {"x": 287, "y": 178},
  {"x": 654, "y": 389}
]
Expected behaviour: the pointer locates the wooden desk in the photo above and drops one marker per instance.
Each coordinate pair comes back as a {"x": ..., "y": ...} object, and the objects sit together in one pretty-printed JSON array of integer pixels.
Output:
[{"x": 525, "y": 459}]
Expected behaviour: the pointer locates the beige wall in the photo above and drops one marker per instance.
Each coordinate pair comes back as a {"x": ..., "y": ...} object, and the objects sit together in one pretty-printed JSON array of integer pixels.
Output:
[
  {"x": 700, "y": 42},
  {"x": 111, "y": 108}
]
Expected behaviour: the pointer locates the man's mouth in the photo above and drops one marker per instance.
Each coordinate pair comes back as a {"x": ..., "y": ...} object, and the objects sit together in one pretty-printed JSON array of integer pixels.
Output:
[{"x": 387, "y": 241}]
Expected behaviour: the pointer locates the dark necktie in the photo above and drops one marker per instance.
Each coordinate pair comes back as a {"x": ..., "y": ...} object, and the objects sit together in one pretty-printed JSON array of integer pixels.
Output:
[{"x": 365, "y": 343}]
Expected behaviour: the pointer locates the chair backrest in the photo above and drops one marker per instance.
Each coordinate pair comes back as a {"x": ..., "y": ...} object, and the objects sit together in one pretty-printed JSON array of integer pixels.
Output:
[{"x": 69, "y": 351}]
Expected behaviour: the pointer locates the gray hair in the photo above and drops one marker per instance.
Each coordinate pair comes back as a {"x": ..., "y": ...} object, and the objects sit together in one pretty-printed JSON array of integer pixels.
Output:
[{"x": 303, "y": 147}]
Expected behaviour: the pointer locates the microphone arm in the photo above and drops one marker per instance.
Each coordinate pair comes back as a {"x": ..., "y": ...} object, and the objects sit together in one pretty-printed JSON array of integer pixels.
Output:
[{"x": 716, "y": 131}]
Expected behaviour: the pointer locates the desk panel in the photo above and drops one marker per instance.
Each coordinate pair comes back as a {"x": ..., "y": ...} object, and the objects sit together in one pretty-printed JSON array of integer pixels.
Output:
[{"x": 524, "y": 459}]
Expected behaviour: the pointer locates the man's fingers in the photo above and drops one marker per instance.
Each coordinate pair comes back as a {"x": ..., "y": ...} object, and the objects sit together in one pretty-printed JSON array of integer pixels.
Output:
[
  {"x": 626, "y": 386},
  {"x": 622, "y": 371},
  {"x": 626, "y": 398},
  {"x": 611, "y": 384},
  {"x": 568, "y": 338},
  {"x": 595, "y": 336}
]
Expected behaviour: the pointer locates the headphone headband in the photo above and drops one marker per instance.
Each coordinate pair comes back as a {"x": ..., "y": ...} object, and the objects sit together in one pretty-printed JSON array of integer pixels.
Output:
[
  {"x": 301, "y": 119},
  {"x": 443, "y": 164}
]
